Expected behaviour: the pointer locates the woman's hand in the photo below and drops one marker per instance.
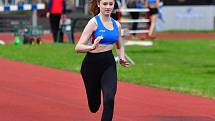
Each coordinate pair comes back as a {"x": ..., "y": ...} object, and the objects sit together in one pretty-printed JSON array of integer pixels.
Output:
[
  {"x": 96, "y": 42},
  {"x": 123, "y": 63}
]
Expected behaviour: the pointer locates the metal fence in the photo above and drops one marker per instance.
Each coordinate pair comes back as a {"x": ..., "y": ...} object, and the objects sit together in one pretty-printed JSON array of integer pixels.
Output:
[
  {"x": 14, "y": 2},
  {"x": 8, "y": 21}
]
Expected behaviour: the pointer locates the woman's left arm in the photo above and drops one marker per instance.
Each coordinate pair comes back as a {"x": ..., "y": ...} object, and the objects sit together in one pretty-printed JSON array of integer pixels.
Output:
[{"x": 120, "y": 48}]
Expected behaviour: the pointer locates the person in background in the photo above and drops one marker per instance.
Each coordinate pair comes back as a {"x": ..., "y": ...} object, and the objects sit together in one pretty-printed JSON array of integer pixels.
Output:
[
  {"x": 134, "y": 15},
  {"x": 98, "y": 68},
  {"x": 160, "y": 11},
  {"x": 56, "y": 11},
  {"x": 153, "y": 12},
  {"x": 116, "y": 14},
  {"x": 160, "y": 17}
]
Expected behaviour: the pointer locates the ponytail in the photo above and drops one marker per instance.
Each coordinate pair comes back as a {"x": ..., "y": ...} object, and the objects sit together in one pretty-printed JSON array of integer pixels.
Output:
[{"x": 93, "y": 7}]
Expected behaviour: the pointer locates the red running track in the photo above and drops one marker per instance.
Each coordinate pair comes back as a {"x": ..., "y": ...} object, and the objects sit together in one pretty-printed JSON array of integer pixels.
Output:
[{"x": 35, "y": 93}]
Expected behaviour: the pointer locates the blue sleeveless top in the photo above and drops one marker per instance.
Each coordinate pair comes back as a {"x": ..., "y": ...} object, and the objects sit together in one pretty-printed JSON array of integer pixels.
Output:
[
  {"x": 109, "y": 36},
  {"x": 151, "y": 1}
]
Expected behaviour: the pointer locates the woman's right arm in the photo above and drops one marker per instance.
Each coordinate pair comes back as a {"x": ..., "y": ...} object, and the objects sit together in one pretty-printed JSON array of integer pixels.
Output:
[{"x": 86, "y": 34}]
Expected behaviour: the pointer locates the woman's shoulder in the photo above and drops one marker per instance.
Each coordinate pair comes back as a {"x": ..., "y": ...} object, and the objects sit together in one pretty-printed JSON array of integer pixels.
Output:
[
  {"x": 92, "y": 24},
  {"x": 93, "y": 21}
]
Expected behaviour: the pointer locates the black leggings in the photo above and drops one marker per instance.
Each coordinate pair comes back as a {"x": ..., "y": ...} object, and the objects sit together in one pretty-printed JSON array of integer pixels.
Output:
[
  {"x": 99, "y": 74},
  {"x": 54, "y": 23}
]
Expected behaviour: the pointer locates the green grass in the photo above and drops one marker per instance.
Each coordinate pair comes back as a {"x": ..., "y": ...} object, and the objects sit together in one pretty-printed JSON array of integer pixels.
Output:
[{"x": 186, "y": 66}]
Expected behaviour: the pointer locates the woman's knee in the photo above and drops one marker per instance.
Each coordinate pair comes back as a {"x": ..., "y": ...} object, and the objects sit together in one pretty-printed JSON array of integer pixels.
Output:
[
  {"x": 94, "y": 102},
  {"x": 94, "y": 107},
  {"x": 109, "y": 100}
]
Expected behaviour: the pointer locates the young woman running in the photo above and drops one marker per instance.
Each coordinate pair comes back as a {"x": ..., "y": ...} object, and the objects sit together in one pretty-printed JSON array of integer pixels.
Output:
[{"x": 98, "y": 68}]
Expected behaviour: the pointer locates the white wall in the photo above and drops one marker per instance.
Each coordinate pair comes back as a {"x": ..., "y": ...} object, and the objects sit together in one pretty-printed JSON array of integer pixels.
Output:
[{"x": 187, "y": 17}]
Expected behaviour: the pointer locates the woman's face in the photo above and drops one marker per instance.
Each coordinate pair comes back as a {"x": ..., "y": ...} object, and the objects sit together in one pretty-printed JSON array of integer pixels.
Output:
[{"x": 106, "y": 6}]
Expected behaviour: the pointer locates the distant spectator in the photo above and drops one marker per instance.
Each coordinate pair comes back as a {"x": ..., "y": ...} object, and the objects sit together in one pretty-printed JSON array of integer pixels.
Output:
[
  {"x": 160, "y": 12},
  {"x": 66, "y": 28},
  {"x": 153, "y": 12},
  {"x": 134, "y": 15},
  {"x": 160, "y": 15},
  {"x": 55, "y": 12}
]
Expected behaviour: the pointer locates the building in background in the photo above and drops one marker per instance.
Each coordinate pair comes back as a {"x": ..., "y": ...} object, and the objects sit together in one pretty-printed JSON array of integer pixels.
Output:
[
  {"x": 178, "y": 14},
  {"x": 189, "y": 2},
  {"x": 188, "y": 15}
]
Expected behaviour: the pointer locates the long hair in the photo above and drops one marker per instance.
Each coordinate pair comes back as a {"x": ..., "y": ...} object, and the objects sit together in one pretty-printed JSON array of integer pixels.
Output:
[{"x": 93, "y": 7}]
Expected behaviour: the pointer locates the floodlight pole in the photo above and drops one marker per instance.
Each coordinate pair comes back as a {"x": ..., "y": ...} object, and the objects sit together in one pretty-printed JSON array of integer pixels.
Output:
[{"x": 34, "y": 18}]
